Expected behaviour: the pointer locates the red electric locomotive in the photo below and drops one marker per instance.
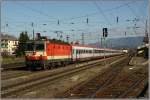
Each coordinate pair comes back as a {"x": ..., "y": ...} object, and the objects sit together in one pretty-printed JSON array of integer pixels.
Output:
[{"x": 47, "y": 54}]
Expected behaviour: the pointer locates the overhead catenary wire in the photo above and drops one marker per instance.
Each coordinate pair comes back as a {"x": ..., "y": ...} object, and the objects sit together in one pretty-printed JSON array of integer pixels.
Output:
[
  {"x": 101, "y": 12},
  {"x": 83, "y": 16},
  {"x": 135, "y": 20},
  {"x": 96, "y": 13},
  {"x": 35, "y": 10},
  {"x": 91, "y": 14},
  {"x": 133, "y": 12}
]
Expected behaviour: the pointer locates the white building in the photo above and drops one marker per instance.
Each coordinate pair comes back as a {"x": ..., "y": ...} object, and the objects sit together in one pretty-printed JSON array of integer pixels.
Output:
[{"x": 8, "y": 44}]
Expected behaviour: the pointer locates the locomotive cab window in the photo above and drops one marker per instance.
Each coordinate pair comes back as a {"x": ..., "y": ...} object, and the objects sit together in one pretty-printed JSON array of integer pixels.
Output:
[
  {"x": 39, "y": 47},
  {"x": 32, "y": 46},
  {"x": 29, "y": 47}
]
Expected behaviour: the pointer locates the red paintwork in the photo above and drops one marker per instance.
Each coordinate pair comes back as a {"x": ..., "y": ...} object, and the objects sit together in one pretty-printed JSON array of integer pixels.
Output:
[{"x": 54, "y": 49}]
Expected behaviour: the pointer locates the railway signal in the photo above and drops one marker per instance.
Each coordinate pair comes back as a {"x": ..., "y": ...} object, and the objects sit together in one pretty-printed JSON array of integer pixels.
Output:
[{"x": 105, "y": 32}]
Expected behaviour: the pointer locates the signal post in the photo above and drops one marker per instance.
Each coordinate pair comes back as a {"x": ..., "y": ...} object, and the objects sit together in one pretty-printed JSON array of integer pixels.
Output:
[{"x": 105, "y": 34}]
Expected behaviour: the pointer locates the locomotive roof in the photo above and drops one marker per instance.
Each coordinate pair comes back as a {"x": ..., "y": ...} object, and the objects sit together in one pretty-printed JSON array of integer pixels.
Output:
[
  {"x": 49, "y": 41},
  {"x": 36, "y": 41},
  {"x": 58, "y": 42}
]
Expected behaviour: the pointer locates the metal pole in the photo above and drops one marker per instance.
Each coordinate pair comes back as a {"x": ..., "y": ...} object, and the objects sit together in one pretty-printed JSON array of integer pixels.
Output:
[
  {"x": 33, "y": 30},
  {"x": 104, "y": 51},
  {"x": 101, "y": 42},
  {"x": 82, "y": 38},
  {"x": 7, "y": 28}
]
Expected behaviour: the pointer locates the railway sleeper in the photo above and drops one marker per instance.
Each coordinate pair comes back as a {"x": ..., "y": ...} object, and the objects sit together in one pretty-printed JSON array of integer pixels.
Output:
[{"x": 111, "y": 74}]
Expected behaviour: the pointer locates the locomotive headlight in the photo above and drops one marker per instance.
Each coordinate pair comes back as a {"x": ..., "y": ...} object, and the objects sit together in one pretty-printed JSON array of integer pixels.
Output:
[
  {"x": 41, "y": 57},
  {"x": 34, "y": 53},
  {"x": 26, "y": 57}
]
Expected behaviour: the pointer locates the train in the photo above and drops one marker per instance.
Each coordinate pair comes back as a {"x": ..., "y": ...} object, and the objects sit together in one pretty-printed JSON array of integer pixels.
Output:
[
  {"x": 143, "y": 50},
  {"x": 45, "y": 54}
]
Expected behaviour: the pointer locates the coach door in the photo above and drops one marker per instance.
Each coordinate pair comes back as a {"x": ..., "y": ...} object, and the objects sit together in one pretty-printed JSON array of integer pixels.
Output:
[{"x": 74, "y": 54}]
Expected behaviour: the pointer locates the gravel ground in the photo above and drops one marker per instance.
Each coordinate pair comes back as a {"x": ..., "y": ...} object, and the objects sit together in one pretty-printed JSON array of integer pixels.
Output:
[
  {"x": 11, "y": 60},
  {"x": 18, "y": 76},
  {"x": 50, "y": 89},
  {"x": 136, "y": 71},
  {"x": 13, "y": 73}
]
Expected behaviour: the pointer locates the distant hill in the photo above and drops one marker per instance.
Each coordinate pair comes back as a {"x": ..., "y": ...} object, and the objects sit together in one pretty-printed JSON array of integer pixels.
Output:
[{"x": 117, "y": 43}]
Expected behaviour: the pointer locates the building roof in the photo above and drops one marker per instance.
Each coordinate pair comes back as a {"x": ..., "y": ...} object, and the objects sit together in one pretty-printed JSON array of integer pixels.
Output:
[{"x": 8, "y": 37}]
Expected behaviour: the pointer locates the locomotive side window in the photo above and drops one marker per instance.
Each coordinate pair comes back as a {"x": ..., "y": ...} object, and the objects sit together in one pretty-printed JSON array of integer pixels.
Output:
[
  {"x": 90, "y": 51},
  {"x": 81, "y": 51}
]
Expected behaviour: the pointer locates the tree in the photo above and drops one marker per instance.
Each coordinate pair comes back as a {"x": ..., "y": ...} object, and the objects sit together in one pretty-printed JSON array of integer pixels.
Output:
[{"x": 23, "y": 38}]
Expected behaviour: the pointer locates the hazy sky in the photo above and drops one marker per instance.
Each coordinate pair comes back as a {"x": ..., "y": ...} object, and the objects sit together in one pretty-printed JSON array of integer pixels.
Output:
[{"x": 17, "y": 16}]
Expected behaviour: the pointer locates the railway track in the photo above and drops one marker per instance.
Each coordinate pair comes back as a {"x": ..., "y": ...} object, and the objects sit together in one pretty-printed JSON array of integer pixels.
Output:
[
  {"x": 16, "y": 71},
  {"x": 108, "y": 85},
  {"x": 22, "y": 71},
  {"x": 89, "y": 88},
  {"x": 12, "y": 66},
  {"x": 28, "y": 82},
  {"x": 130, "y": 86},
  {"x": 5, "y": 75},
  {"x": 144, "y": 92}
]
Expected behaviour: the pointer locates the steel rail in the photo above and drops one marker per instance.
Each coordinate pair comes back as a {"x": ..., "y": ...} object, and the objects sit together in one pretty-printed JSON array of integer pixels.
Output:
[{"x": 19, "y": 87}]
